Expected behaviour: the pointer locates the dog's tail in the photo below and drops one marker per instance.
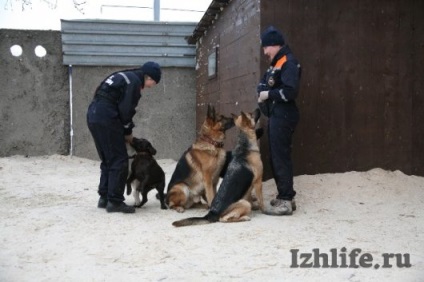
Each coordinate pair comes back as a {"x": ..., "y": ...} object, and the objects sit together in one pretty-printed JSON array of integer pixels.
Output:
[
  {"x": 209, "y": 218},
  {"x": 191, "y": 221}
]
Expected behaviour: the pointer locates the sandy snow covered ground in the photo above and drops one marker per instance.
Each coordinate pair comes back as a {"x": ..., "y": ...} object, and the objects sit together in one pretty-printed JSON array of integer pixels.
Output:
[{"x": 51, "y": 230}]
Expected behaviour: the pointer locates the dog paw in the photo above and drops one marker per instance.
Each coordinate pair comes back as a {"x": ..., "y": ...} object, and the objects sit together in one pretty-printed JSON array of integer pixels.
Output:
[{"x": 179, "y": 209}]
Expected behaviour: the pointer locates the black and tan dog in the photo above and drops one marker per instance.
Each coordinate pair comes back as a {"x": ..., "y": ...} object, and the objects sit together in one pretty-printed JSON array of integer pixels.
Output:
[
  {"x": 232, "y": 202},
  {"x": 146, "y": 171},
  {"x": 197, "y": 172}
]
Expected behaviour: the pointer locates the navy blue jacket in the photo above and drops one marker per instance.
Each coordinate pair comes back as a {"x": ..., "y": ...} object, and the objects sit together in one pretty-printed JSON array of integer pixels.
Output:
[
  {"x": 123, "y": 89},
  {"x": 282, "y": 83}
]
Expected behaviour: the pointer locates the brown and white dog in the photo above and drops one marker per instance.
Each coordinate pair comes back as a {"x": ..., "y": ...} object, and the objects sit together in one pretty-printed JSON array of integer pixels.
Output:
[
  {"x": 232, "y": 202},
  {"x": 197, "y": 172}
]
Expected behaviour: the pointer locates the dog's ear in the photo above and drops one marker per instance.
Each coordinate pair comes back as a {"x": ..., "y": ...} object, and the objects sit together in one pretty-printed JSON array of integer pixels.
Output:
[
  {"x": 211, "y": 115},
  {"x": 246, "y": 119},
  {"x": 211, "y": 112},
  {"x": 235, "y": 117},
  {"x": 135, "y": 144},
  {"x": 238, "y": 119},
  {"x": 151, "y": 150}
]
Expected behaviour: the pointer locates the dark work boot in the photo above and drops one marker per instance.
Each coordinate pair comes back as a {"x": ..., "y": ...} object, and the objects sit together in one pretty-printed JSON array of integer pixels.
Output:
[
  {"x": 120, "y": 207},
  {"x": 102, "y": 203}
]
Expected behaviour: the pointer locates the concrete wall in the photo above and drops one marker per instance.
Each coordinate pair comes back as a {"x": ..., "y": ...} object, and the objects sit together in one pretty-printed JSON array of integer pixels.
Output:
[
  {"x": 35, "y": 103},
  {"x": 34, "y": 108},
  {"x": 165, "y": 114}
]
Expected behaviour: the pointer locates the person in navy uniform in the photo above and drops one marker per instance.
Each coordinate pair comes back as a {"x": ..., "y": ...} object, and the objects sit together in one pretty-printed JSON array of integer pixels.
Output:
[
  {"x": 110, "y": 121},
  {"x": 276, "y": 93}
]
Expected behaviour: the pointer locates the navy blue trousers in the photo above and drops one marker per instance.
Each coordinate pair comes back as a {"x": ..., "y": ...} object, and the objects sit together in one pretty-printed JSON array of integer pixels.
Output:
[
  {"x": 281, "y": 126},
  {"x": 108, "y": 135}
]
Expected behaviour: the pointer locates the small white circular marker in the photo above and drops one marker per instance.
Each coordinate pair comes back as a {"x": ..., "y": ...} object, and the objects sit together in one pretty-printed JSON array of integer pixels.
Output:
[
  {"x": 16, "y": 50},
  {"x": 40, "y": 51}
]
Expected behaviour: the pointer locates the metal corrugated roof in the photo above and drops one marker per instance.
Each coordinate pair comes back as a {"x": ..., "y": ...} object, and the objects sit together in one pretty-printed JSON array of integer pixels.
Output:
[
  {"x": 211, "y": 14},
  {"x": 126, "y": 43}
]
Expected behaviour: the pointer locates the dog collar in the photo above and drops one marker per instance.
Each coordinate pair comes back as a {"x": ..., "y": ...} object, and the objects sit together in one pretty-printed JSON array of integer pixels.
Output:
[{"x": 213, "y": 142}]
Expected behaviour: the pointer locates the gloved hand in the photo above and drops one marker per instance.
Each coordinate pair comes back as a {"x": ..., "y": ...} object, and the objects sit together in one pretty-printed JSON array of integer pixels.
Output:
[
  {"x": 263, "y": 95},
  {"x": 129, "y": 138},
  {"x": 261, "y": 87}
]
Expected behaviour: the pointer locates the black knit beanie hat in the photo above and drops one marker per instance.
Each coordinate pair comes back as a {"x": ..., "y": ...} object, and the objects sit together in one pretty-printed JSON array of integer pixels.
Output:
[
  {"x": 152, "y": 69},
  {"x": 272, "y": 37}
]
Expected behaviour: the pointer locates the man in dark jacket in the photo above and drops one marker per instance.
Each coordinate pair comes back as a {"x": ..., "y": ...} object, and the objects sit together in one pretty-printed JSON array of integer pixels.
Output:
[
  {"x": 277, "y": 92},
  {"x": 109, "y": 119}
]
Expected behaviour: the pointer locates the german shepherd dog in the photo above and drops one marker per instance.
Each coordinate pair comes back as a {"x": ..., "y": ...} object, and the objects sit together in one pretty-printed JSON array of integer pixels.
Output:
[
  {"x": 232, "y": 202},
  {"x": 197, "y": 172},
  {"x": 147, "y": 172}
]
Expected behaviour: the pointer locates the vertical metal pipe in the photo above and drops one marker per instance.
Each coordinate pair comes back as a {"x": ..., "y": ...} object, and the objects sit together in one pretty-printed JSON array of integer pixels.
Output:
[
  {"x": 156, "y": 10},
  {"x": 71, "y": 133}
]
